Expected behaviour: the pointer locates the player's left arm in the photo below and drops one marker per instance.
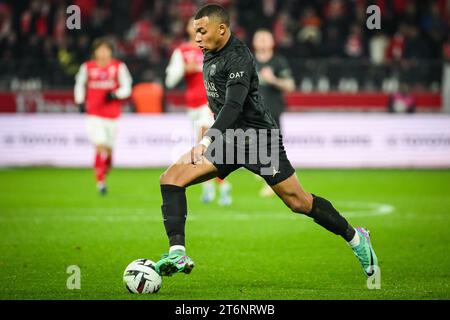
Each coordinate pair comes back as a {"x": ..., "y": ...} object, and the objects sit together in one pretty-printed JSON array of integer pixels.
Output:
[{"x": 125, "y": 81}]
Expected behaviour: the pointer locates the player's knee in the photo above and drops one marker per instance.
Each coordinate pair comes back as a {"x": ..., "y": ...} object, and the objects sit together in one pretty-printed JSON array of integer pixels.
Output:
[
  {"x": 170, "y": 177},
  {"x": 300, "y": 205},
  {"x": 296, "y": 206},
  {"x": 165, "y": 178}
]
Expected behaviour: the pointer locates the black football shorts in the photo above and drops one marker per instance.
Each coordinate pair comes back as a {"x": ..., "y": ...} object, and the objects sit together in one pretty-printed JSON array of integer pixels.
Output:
[{"x": 264, "y": 157}]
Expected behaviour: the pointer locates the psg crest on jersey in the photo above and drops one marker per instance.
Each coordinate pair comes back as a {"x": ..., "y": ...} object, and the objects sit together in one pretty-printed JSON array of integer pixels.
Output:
[{"x": 212, "y": 71}]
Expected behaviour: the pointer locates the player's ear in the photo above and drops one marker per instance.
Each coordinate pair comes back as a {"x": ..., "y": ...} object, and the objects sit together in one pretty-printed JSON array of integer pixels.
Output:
[{"x": 222, "y": 29}]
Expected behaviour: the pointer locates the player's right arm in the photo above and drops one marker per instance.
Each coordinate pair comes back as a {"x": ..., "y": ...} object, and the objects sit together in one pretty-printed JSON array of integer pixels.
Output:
[
  {"x": 80, "y": 87},
  {"x": 175, "y": 69}
]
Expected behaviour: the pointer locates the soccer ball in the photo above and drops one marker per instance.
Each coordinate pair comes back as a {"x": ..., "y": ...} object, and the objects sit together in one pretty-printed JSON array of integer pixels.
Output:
[{"x": 140, "y": 277}]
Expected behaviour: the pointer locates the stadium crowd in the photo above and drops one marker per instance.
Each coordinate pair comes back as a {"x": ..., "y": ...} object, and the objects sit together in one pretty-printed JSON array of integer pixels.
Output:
[{"x": 319, "y": 37}]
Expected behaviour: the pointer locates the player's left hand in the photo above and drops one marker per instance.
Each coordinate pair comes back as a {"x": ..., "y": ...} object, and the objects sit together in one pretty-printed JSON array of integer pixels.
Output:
[{"x": 197, "y": 153}]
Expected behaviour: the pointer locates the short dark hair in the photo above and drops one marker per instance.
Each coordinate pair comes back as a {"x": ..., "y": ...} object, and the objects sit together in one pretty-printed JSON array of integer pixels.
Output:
[
  {"x": 102, "y": 41},
  {"x": 214, "y": 10}
]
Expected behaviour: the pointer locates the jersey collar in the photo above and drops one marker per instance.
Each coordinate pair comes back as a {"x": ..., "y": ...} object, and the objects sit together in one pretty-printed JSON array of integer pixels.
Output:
[
  {"x": 228, "y": 44},
  {"x": 224, "y": 49}
]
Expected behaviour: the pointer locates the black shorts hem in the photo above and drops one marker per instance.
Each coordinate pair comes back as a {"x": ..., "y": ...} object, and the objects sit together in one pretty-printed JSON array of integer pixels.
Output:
[
  {"x": 283, "y": 175},
  {"x": 224, "y": 170}
]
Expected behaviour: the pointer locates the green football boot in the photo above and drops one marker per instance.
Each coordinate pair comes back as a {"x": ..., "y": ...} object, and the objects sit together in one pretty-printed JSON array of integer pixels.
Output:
[
  {"x": 174, "y": 262},
  {"x": 365, "y": 253}
]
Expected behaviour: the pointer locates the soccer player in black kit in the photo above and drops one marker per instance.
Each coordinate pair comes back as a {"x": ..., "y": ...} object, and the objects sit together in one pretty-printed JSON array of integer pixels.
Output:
[{"x": 231, "y": 83}]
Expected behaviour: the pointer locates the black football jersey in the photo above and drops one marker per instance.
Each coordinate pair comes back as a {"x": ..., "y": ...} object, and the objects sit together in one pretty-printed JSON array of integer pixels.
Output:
[{"x": 234, "y": 63}]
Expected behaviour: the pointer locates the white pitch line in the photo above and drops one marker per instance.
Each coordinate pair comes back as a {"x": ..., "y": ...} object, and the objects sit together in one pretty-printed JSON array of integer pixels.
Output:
[
  {"x": 40, "y": 215},
  {"x": 365, "y": 208}
]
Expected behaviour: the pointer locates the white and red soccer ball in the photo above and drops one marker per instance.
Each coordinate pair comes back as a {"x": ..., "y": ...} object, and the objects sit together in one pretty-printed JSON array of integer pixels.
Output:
[{"x": 140, "y": 277}]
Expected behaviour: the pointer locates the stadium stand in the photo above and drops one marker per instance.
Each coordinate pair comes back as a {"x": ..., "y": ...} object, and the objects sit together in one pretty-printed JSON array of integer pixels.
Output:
[{"x": 326, "y": 42}]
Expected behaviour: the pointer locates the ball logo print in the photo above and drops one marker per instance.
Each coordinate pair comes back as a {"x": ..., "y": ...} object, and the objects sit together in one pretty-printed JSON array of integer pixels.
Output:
[
  {"x": 74, "y": 280},
  {"x": 74, "y": 20}
]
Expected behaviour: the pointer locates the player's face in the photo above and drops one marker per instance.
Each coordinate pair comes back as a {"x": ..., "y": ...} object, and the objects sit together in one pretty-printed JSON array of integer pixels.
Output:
[
  {"x": 208, "y": 33},
  {"x": 103, "y": 53}
]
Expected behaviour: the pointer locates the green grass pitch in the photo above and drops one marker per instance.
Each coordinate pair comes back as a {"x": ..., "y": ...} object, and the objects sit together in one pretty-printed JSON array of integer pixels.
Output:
[{"x": 255, "y": 249}]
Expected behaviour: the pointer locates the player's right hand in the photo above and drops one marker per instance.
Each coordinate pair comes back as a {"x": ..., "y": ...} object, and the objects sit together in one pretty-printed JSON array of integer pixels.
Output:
[
  {"x": 197, "y": 153},
  {"x": 81, "y": 107}
]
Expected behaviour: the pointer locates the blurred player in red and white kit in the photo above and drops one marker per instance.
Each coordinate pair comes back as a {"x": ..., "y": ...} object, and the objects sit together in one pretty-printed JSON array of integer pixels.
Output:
[
  {"x": 100, "y": 84},
  {"x": 187, "y": 62}
]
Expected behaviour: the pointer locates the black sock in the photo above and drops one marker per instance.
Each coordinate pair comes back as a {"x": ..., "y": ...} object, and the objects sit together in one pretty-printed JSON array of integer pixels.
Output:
[
  {"x": 328, "y": 217},
  {"x": 174, "y": 211}
]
